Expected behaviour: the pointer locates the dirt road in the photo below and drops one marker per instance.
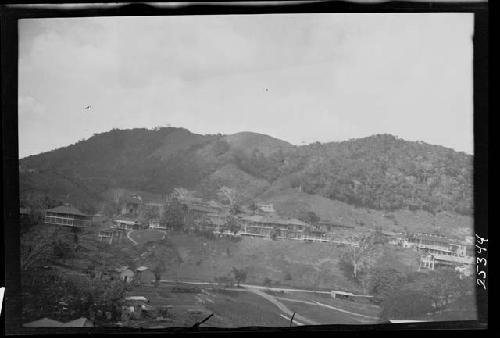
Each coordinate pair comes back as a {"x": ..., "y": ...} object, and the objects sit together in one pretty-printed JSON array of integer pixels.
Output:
[
  {"x": 369, "y": 319},
  {"x": 282, "y": 307},
  {"x": 130, "y": 238}
]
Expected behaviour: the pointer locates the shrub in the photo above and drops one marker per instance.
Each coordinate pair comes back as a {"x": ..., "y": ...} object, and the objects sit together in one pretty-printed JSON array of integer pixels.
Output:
[
  {"x": 288, "y": 276},
  {"x": 384, "y": 281},
  {"x": 406, "y": 304},
  {"x": 267, "y": 281}
]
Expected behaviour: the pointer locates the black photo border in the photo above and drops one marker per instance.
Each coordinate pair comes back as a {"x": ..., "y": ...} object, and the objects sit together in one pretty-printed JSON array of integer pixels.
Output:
[{"x": 9, "y": 16}]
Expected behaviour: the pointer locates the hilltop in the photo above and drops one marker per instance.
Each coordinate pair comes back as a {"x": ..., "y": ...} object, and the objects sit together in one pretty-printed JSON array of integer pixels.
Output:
[{"x": 377, "y": 174}]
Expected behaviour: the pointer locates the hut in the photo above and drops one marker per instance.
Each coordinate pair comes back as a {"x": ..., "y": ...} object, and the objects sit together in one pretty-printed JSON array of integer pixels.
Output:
[
  {"x": 144, "y": 275},
  {"x": 125, "y": 274}
]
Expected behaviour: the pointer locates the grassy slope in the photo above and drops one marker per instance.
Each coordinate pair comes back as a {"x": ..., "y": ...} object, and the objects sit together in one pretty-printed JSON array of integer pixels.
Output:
[{"x": 311, "y": 265}]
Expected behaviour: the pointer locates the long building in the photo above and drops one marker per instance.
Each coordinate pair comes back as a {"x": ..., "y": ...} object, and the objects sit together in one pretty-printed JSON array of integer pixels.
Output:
[
  {"x": 265, "y": 226},
  {"x": 437, "y": 245},
  {"x": 67, "y": 215}
]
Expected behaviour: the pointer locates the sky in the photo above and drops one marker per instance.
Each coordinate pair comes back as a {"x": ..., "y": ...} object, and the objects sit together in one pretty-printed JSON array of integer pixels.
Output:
[{"x": 301, "y": 78}]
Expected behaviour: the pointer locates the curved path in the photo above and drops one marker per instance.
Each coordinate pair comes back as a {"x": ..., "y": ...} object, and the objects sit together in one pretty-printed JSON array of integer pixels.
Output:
[
  {"x": 275, "y": 300},
  {"x": 283, "y": 307},
  {"x": 130, "y": 238},
  {"x": 329, "y": 307}
]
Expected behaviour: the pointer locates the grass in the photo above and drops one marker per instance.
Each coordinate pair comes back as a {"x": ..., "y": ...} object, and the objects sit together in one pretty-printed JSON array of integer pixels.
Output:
[
  {"x": 310, "y": 265},
  {"x": 284, "y": 263},
  {"x": 245, "y": 309},
  {"x": 364, "y": 309},
  {"x": 230, "y": 308},
  {"x": 237, "y": 308},
  {"x": 320, "y": 314}
]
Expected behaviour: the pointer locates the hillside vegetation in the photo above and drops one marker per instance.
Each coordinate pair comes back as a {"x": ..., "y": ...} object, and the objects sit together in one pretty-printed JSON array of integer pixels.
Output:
[{"x": 380, "y": 172}]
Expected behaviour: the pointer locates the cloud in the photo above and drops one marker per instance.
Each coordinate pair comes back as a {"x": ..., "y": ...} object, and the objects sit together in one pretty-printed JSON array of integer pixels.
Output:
[{"x": 330, "y": 77}]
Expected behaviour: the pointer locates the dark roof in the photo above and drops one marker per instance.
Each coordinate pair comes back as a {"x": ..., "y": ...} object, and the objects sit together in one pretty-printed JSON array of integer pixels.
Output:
[
  {"x": 46, "y": 322},
  {"x": 67, "y": 209}
]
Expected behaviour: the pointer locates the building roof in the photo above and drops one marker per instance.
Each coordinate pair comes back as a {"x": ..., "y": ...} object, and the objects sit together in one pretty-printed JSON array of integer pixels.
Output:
[
  {"x": 137, "y": 298},
  {"x": 142, "y": 268},
  {"x": 125, "y": 221},
  {"x": 343, "y": 293},
  {"x": 46, "y": 322},
  {"x": 67, "y": 209},
  {"x": 273, "y": 220},
  {"x": 454, "y": 259},
  {"x": 435, "y": 238}
]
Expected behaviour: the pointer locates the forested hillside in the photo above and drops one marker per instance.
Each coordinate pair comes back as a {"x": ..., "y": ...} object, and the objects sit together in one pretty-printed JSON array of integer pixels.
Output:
[{"x": 378, "y": 172}]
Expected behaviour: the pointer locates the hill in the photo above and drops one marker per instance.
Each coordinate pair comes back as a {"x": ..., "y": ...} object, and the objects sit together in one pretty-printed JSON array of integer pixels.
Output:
[{"x": 381, "y": 173}]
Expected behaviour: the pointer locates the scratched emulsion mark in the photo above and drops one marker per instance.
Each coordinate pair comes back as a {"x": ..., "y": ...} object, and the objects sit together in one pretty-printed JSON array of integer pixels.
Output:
[
  {"x": 481, "y": 261},
  {"x": 2, "y": 290}
]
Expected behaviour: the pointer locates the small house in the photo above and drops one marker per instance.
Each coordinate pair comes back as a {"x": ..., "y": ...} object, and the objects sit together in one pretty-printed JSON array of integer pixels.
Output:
[
  {"x": 131, "y": 205},
  {"x": 265, "y": 207},
  {"x": 155, "y": 224},
  {"x": 144, "y": 275},
  {"x": 125, "y": 274},
  {"x": 341, "y": 295},
  {"x": 134, "y": 305}
]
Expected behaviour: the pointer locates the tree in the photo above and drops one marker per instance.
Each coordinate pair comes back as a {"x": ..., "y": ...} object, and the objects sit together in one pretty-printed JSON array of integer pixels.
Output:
[
  {"x": 174, "y": 215},
  {"x": 230, "y": 194},
  {"x": 235, "y": 209},
  {"x": 232, "y": 225},
  {"x": 50, "y": 293},
  {"x": 406, "y": 304},
  {"x": 220, "y": 147},
  {"x": 37, "y": 247},
  {"x": 309, "y": 217},
  {"x": 240, "y": 275},
  {"x": 253, "y": 206},
  {"x": 385, "y": 281},
  {"x": 274, "y": 234},
  {"x": 442, "y": 286},
  {"x": 147, "y": 214},
  {"x": 288, "y": 276},
  {"x": 61, "y": 249},
  {"x": 162, "y": 256},
  {"x": 360, "y": 256}
]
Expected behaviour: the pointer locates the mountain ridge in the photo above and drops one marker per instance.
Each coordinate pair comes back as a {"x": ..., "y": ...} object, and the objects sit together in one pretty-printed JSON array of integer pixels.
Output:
[{"x": 381, "y": 171}]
